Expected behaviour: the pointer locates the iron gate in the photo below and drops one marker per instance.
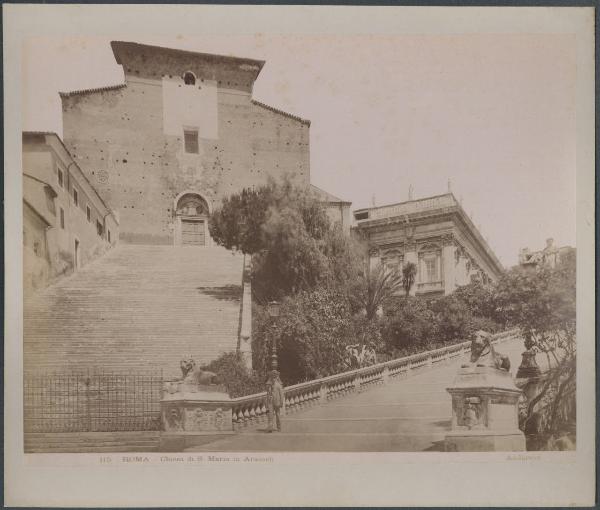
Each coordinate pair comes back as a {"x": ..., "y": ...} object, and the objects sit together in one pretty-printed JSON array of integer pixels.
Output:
[{"x": 92, "y": 402}]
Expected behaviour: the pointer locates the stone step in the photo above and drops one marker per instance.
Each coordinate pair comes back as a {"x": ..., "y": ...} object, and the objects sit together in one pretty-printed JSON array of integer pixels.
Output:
[{"x": 138, "y": 306}]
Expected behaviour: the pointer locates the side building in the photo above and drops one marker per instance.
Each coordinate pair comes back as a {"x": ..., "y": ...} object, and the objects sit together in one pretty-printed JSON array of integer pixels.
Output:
[
  {"x": 549, "y": 256},
  {"x": 338, "y": 210},
  {"x": 66, "y": 224},
  {"x": 436, "y": 235}
]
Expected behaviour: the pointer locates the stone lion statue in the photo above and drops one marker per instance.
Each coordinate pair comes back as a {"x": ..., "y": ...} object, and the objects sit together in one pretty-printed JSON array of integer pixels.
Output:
[
  {"x": 193, "y": 375},
  {"x": 484, "y": 354}
]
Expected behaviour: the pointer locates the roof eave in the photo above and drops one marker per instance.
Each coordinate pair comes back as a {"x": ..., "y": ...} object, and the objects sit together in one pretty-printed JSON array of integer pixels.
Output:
[{"x": 118, "y": 45}]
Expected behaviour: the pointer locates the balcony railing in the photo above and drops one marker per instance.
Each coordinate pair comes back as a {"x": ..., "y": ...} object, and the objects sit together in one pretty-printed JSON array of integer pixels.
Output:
[
  {"x": 411, "y": 207},
  {"x": 251, "y": 410},
  {"x": 422, "y": 288}
]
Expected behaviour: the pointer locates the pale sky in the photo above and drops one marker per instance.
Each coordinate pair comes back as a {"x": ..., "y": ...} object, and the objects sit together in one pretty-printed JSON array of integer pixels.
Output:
[{"x": 493, "y": 113}]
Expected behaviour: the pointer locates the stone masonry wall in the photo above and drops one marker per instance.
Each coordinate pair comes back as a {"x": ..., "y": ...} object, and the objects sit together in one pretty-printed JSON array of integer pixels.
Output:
[{"x": 116, "y": 136}]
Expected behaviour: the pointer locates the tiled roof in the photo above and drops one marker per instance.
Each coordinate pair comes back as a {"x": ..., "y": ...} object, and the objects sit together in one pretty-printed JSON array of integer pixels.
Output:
[
  {"x": 281, "y": 112},
  {"x": 324, "y": 196},
  {"x": 91, "y": 91}
]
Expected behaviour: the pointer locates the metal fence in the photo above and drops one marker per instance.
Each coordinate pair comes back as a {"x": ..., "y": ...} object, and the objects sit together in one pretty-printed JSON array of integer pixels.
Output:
[{"x": 92, "y": 402}]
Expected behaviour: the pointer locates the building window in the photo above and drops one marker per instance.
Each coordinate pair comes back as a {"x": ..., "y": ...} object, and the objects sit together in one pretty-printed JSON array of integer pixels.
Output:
[
  {"x": 75, "y": 197},
  {"x": 191, "y": 141},
  {"x": 108, "y": 234},
  {"x": 189, "y": 78},
  {"x": 430, "y": 267},
  {"x": 60, "y": 178},
  {"x": 431, "y": 273},
  {"x": 88, "y": 213},
  {"x": 62, "y": 218},
  {"x": 99, "y": 228}
]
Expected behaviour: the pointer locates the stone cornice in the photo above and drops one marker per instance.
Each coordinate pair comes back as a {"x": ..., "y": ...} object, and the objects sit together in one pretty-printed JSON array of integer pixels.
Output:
[{"x": 455, "y": 214}]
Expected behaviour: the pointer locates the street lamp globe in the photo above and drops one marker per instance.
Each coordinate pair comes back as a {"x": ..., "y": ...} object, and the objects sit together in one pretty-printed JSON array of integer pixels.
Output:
[{"x": 273, "y": 309}]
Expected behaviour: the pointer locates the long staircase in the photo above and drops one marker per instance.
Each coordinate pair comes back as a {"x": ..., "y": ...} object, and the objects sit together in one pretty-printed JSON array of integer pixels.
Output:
[{"x": 138, "y": 308}]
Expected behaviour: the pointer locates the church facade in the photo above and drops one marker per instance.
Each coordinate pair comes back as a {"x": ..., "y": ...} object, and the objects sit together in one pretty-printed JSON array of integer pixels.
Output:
[
  {"x": 436, "y": 235},
  {"x": 180, "y": 134}
]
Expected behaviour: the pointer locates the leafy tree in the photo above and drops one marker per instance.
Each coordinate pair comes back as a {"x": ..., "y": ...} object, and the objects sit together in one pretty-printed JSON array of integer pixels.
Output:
[
  {"x": 311, "y": 334},
  {"x": 409, "y": 326},
  {"x": 453, "y": 318},
  {"x": 286, "y": 230},
  {"x": 479, "y": 299},
  {"x": 237, "y": 223},
  {"x": 291, "y": 260},
  {"x": 409, "y": 273},
  {"x": 542, "y": 303}
]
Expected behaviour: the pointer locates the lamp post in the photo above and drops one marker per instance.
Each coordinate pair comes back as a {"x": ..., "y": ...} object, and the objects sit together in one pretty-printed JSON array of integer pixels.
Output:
[{"x": 273, "y": 309}]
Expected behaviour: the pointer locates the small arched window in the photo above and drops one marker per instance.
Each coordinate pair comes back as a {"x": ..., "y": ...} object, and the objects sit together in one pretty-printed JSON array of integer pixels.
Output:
[{"x": 189, "y": 78}]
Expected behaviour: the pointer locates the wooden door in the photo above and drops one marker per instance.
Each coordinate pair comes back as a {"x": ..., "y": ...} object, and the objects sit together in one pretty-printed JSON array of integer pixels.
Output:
[{"x": 192, "y": 232}]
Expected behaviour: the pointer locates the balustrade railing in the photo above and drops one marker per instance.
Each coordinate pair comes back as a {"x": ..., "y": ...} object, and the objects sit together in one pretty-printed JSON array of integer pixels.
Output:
[
  {"x": 251, "y": 410},
  {"x": 429, "y": 287}
]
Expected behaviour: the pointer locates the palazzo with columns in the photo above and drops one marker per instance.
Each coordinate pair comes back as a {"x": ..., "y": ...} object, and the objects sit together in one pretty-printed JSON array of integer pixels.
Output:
[{"x": 436, "y": 235}]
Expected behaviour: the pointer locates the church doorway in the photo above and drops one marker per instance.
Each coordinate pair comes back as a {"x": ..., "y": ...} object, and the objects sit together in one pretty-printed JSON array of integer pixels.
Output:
[
  {"x": 192, "y": 232},
  {"x": 191, "y": 220}
]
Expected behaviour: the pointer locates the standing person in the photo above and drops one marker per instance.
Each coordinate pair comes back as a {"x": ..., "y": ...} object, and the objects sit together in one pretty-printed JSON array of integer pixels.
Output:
[{"x": 275, "y": 400}]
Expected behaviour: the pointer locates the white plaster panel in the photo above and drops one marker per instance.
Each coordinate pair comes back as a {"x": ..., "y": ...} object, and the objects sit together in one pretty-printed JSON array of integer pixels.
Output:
[
  {"x": 191, "y": 106},
  {"x": 502, "y": 415}
]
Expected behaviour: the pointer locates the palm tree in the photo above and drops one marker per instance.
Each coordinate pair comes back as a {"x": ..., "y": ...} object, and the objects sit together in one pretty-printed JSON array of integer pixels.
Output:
[
  {"x": 409, "y": 273},
  {"x": 375, "y": 287}
]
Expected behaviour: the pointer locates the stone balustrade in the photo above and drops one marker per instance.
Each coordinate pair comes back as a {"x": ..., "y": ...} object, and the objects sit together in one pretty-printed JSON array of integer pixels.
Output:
[
  {"x": 251, "y": 410},
  {"x": 429, "y": 287},
  {"x": 411, "y": 207}
]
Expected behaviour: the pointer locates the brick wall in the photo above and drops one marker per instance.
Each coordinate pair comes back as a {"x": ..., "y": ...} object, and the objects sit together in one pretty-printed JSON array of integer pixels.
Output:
[{"x": 117, "y": 138}]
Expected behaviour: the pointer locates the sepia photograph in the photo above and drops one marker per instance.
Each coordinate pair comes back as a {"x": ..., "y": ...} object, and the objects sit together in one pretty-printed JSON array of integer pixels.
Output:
[{"x": 236, "y": 245}]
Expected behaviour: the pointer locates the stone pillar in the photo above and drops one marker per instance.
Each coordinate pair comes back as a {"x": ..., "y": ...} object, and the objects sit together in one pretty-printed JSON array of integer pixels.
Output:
[
  {"x": 374, "y": 259},
  {"x": 323, "y": 394},
  {"x": 207, "y": 238},
  {"x": 193, "y": 414},
  {"x": 385, "y": 375},
  {"x": 177, "y": 231},
  {"x": 245, "y": 348},
  {"x": 485, "y": 414},
  {"x": 529, "y": 367},
  {"x": 448, "y": 265},
  {"x": 461, "y": 271}
]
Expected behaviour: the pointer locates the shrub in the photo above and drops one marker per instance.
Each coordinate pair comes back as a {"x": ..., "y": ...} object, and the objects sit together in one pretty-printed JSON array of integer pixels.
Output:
[
  {"x": 542, "y": 303},
  {"x": 453, "y": 318},
  {"x": 409, "y": 325},
  {"x": 236, "y": 377},
  {"x": 478, "y": 298},
  {"x": 311, "y": 334},
  {"x": 485, "y": 323}
]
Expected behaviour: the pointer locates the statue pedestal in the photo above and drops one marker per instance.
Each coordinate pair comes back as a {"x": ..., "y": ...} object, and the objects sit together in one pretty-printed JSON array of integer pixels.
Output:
[
  {"x": 192, "y": 415},
  {"x": 484, "y": 412}
]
